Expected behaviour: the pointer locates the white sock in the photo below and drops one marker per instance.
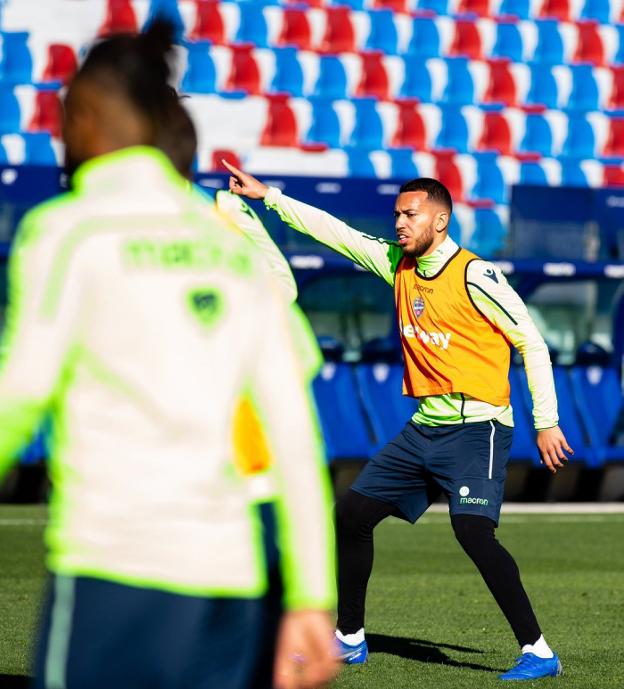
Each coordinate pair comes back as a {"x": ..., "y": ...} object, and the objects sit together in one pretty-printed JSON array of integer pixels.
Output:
[
  {"x": 351, "y": 639},
  {"x": 540, "y": 648}
]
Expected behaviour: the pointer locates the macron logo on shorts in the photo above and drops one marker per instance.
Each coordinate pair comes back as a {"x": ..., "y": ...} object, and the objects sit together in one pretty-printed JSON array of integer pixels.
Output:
[{"x": 465, "y": 498}]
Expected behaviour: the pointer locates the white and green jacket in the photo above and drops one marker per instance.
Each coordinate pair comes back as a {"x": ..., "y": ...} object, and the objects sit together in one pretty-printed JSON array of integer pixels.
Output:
[{"x": 137, "y": 317}]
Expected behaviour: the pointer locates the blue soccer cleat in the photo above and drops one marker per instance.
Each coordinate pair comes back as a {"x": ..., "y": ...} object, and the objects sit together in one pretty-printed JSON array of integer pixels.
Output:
[
  {"x": 530, "y": 666},
  {"x": 352, "y": 655}
]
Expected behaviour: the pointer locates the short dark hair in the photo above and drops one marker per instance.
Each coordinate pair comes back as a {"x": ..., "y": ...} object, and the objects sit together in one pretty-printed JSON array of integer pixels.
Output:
[
  {"x": 177, "y": 138},
  {"x": 436, "y": 191}
]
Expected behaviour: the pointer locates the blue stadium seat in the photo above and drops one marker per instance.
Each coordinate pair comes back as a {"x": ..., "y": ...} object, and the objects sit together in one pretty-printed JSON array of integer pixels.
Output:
[
  {"x": 580, "y": 141},
  {"x": 459, "y": 89},
  {"x": 425, "y": 40},
  {"x": 440, "y": 7},
  {"x": 288, "y": 72},
  {"x": 537, "y": 136},
  {"x": 619, "y": 56},
  {"x": 332, "y": 78},
  {"x": 353, "y": 4},
  {"x": 325, "y": 126},
  {"x": 515, "y": 8},
  {"x": 455, "y": 232},
  {"x": 341, "y": 414},
  {"x": 16, "y": 62},
  {"x": 167, "y": 9},
  {"x": 368, "y": 130},
  {"x": 253, "y": 25},
  {"x": 585, "y": 94},
  {"x": 543, "y": 89},
  {"x": 360, "y": 164},
  {"x": 200, "y": 76},
  {"x": 38, "y": 149},
  {"x": 599, "y": 394},
  {"x": 490, "y": 183},
  {"x": 402, "y": 163},
  {"x": 3, "y": 155},
  {"x": 417, "y": 82},
  {"x": 549, "y": 48},
  {"x": 508, "y": 42},
  {"x": 572, "y": 174},
  {"x": 453, "y": 133},
  {"x": 596, "y": 9},
  {"x": 9, "y": 110},
  {"x": 488, "y": 238},
  {"x": 383, "y": 32},
  {"x": 387, "y": 408},
  {"x": 523, "y": 447},
  {"x": 532, "y": 173}
]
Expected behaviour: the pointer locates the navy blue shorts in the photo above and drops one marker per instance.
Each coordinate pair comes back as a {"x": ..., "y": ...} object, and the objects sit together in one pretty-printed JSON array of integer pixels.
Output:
[{"x": 467, "y": 462}]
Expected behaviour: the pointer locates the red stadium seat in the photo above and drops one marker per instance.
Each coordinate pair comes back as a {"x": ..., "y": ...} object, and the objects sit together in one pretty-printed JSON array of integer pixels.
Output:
[
  {"x": 447, "y": 172},
  {"x": 281, "y": 125},
  {"x": 48, "y": 115},
  {"x": 556, "y": 9},
  {"x": 120, "y": 18},
  {"x": 590, "y": 47},
  {"x": 208, "y": 22},
  {"x": 479, "y": 7},
  {"x": 394, "y": 5},
  {"x": 502, "y": 86},
  {"x": 244, "y": 73},
  {"x": 467, "y": 39},
  {"x": 615, "y": 140},
  {"x": 295, "y": 29},
  {"x": 616, "y": 102},
  {"x": 496, "y": 134},
  {"x": 61, "y": 64},
  {"x": 613, "y": 176},
  {"x": 220, "y": 154},
  {"x": 410, "y": 131},
  {"x": 339, "y": 33},
  {"x": 374, "y": 81}
]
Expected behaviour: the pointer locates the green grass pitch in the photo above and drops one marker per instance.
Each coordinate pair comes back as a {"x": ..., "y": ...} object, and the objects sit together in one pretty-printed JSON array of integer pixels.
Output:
[{"x": 431, "y": 623}]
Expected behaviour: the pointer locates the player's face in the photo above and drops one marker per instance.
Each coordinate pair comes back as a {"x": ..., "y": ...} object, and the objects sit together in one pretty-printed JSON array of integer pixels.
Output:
[{"x": 417, "y": 222}]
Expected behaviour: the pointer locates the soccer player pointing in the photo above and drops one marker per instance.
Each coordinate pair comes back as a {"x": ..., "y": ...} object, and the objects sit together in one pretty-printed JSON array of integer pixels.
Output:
[{"x": 457, "y": 316}]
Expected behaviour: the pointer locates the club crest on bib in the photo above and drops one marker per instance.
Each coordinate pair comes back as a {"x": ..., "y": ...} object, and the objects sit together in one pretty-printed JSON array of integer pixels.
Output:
[{"x": 418, "y": 305}]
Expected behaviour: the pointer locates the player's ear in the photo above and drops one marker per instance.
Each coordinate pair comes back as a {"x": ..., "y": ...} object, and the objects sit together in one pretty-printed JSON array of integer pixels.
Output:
[{"x": 441, "y": 221}]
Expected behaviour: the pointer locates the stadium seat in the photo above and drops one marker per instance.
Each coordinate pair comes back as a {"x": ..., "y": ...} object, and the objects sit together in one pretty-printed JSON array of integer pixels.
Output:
[
  {"x": 425, "y": 40},
  {"x": 47, "y": 116},
  {"x": 61, "y": 63},
  {"x": 584, "y": 96},
  {"x": 515, "y": 8},
  {"x": 598, "y": 10},
  {"x": 368, "y": 131},
  {"x": 613, "y": 176},
  {"x": 572, "y": 173},
  {"x": 120, "y": 18},
  {"x": 459, "y": 89},
  {"x": 439, "y": 7},
  {"x": 489, "y": 236},
  {"x": 16, "y": 62},
  {"x": 549, "y": 49},
  {"x": 467, "y": 40},
  {"x": 531, "y": 172},
  {"x": 383, "y": 35},
  {"x": 325, "y": 125},
  {"x": 332, "y": 78},
  {"x": 580, "y": 142},
  {"x": 353, "y": 4},
  {"x": 38, "y": 149},
  {"x": 200, "y": 76},
  {"x": 374, "y": 81},
  {"x": 590, "y": 47},
  {"x": 295, "y": 28},
  {"x": 479, "y": 7},
  {"x": 4, "y": 159},
  {"x": 417, "y": 82},
  {"x": 508, "y": 42},
  {"x": 496, "y": 134},
  {"x": 523, "y": 447},
  {"x": 380, "y": 386},
  {"x": 341, "y": 415},
  {"x": 221, "y": 154},
  {"x": 556, "y": 9},
  {"x": 614, "y": 146},
  {"x": 393, "y": 5},
  {"x": 167, "y": 9},
  {"x": 616, "y": 100},
  {"x": 10, "y": 114},
  {"x": 339, "y": 32},
  {"x": 244, "y": 72},
  {"x": 619, "y": 56},
  {"x": 490, "y": 183},
  {"x": 281, "y": 125},
  {"x": 453, "y": 133},
  {"x": 537, "y": 136},
  {"x": 502, "y": 86},
  {"x": 447, "y": 172},
  {"x": 252, "y": 27},
  {"x": 360, "y": 163},
  {"x": 543, "y": 89},
  {"x": 288, "y": 76},
  {"x": 410, "y": 130},
  {"x": 209, "y": 25},
  {"x": 402, "y": 163}
]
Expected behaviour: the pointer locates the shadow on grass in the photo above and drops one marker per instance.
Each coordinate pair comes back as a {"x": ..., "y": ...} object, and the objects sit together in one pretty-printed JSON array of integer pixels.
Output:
[
  {"x": 14, "y": 682},
  {"x": 418, "y": 649}
]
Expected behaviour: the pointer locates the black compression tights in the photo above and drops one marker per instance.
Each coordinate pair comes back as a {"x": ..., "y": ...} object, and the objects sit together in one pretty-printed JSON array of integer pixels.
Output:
[{"x": 357, "y": 516}]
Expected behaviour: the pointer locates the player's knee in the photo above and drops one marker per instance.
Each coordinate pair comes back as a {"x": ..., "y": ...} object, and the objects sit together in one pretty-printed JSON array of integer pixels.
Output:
[
  {"x": 357, "y": 515},
  {"x": 473, "y": 532}
]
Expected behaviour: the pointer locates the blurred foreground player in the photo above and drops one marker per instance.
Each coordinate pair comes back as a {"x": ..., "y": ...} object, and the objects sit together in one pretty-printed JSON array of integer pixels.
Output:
[
  {"x": 138, "y": 318},
  {"x": 457, "y": 316}
]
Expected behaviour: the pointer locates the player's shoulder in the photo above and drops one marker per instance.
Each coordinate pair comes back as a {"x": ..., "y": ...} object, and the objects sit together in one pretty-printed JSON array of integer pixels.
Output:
[
  {"x": 47, "y": 218},
  {"x": 485, "y": 273}
]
